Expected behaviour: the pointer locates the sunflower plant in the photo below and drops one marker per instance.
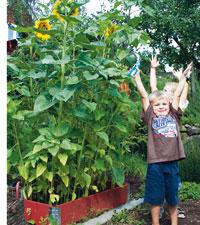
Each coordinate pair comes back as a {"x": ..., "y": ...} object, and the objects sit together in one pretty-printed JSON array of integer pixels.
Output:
[{"x": 68, "y": 121}]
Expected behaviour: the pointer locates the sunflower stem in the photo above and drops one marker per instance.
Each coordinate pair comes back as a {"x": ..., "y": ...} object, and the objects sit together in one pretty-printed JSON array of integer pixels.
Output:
[{"x": 62, "y": 77}]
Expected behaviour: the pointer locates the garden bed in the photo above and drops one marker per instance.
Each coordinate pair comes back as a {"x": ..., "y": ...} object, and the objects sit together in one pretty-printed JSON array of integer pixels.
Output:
[{"x": 141, "y": 215}]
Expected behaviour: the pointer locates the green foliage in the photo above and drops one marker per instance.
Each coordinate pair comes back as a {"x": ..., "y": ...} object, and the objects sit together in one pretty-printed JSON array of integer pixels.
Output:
[
  {"x": 178, "y": 23},
  {"x": 134, "y": 165},
  {"x": 190, "y": 167},
  {"x": 125, "y": 217},
  {"x": 140, "y": 193},
  {"x": 22, "y": 15},
  {"x": 191, "y": 115},
  {"x": 69, "y": 124},
  {"x": 121, "y": 217},
  {"x": 189, "y": 190}
]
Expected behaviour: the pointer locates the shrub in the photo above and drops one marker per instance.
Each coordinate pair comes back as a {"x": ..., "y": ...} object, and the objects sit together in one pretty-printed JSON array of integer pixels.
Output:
[
  {"x": 134, "y": 165},
  {"x": 190, "y": 168},
  {"x": 189, "y": 190}
]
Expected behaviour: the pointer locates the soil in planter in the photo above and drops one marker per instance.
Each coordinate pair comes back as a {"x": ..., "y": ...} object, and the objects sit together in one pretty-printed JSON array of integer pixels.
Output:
[
  {"x": 141, "y": 215},
  {"x": 15, "y": 209}
]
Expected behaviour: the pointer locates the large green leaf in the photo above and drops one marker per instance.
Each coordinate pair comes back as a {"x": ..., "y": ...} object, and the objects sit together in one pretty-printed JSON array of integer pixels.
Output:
[
  {"x": 46, "y": 144},
  {"x": 42, "y": 103},
  {"x": 87, "y": 179},
  {"x": 72, "y": 147},
  {"x": 42, "y": 31},
  {"x": 121, "y": 54},
  {"x": 81, "y": 39},
  {"x": 44, "y": 158},
  {"x": 59, "y": 130},
  {"x": 62, "y": 95},
  {"x": 72, "y": 80},
  {"x": 20, "y": 115},
  {"x": 24, "y": 90},
  {"x": 121, "y": 127},
  {"x": 50, "y": 60},
  {"x": 53, "y": 150},
  {"x": 103, "y": 136},
  {"x": 40, "y": 138},
  {"x": 99, "y": 114},
  {"x": 89, "y": 76},
  {"x": 90, "y": 105},
  {"x": 22, "y": 29},
  {"x": 118, "y": 176},
  {"x": 63, "y": 158},
  {"x": 100, "y": 164},
  {"x": 71, "y": 19},
  {"x": 35, "y": 75},
  {"x": 23, "y": 171},
  {"x": 81, "y": 113},
  {"x": 37, "y": 148},
  {"x": 65, "y": 180},
  {"x": 48, "y": 175},
  {"x": 67, "y": 93},
  {"x": 40, "y": 169}
]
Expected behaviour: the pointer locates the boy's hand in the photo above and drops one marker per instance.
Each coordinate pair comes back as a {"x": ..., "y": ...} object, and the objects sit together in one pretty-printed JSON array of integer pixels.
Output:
[
  {"x": 154, "y": 61},
  {"x": 178, "y": 73},
  {"x": 187, "y": 72}
]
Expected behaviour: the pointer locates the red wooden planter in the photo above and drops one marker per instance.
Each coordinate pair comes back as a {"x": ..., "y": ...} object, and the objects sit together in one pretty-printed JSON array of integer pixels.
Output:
[{"x": 78, "y": 209}]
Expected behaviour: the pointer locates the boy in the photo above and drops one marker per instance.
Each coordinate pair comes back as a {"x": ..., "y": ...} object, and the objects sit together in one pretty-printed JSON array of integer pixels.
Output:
[
  {"x": 165, "y": 148},
  {"x": 170, "y": 88}
]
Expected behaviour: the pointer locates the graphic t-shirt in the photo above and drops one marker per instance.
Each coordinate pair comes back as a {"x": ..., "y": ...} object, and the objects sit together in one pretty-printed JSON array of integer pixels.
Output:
[
  {"x": 164, "y": 142},
  {"x": 164, "y": 126}
]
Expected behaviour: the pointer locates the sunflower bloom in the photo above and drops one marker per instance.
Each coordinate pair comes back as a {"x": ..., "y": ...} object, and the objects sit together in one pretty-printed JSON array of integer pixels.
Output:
[
  {"x": 55, "y": 11},
  {"x": 75, "y": 12},
  {"x": 42, "y": 25},
  {"x": 110, "y": 30}
]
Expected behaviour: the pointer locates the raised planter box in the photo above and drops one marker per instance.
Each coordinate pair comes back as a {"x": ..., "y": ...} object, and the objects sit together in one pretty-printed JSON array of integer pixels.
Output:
[{"x": 76, "y": 210}]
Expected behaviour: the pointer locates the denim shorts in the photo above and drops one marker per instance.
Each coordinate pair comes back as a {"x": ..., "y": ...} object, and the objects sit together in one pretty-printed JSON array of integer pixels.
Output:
[{"x": 162, "y": 182}]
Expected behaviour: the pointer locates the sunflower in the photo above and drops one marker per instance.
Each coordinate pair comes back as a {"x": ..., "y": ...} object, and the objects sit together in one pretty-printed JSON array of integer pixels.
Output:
[
  {"x": 75, "y": 12},
  {"x": 42, "y": 25},
  {"x": 110, "y": 30},
  {"x": 55, "y": 11}
]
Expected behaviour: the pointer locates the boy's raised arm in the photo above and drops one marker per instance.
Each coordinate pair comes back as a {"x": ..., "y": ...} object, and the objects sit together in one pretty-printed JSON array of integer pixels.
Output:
[
  {"x": 178, "y": 92},
  {"x": 182, "y": 89},
  {"x": 187, "y": 73},
  {"x": 153, "y": 79},
  {"x": 142, "y": 91}
]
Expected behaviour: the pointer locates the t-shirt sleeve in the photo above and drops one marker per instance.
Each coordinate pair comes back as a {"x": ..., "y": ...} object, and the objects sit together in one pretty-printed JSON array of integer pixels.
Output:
[
  {"x": 183, "y": 105},
  {"x": 147, "y": 115},
  {"x": 177, "y": 113}
]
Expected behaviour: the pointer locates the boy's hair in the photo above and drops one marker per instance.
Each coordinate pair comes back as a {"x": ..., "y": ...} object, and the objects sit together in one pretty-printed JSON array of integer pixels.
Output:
[
  {"x": 157, "y": 95},
  {"x": 173, "y": 85}
]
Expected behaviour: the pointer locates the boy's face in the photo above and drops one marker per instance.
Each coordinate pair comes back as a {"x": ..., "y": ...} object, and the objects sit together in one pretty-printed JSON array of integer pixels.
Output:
[
  {"x": 170, "y": 91},
  {"x": 160, "y": 106}
]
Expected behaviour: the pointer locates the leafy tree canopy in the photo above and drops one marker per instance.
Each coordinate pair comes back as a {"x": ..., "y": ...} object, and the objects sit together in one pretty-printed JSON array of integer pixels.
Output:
[{"x": 174, "y": 27}]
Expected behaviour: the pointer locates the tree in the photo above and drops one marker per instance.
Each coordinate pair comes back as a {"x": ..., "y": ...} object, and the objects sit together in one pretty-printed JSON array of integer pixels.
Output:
[
  {"x": 174, "y": 27},
  {"x": 27, "y": 11}
]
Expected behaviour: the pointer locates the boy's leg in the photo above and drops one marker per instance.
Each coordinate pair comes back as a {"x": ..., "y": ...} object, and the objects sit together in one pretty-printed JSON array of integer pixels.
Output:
[
  {"x": 155, "y": 214},
  {"x": 154, "y": 190},
  {"x": 171, "y": 187},
  {"x": 173, "y": 215}
]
